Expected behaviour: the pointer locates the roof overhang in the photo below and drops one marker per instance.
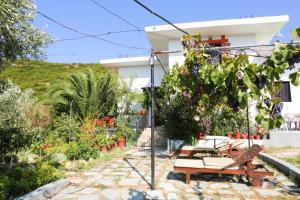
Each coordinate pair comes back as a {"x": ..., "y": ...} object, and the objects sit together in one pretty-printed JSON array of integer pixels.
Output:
[
  {"x": 160, "y": 35},
  {"x": 125, "y": 62}
]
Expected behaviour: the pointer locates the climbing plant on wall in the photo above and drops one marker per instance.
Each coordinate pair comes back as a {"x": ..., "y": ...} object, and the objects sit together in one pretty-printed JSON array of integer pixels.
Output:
[{"x": 206, "y": 86}]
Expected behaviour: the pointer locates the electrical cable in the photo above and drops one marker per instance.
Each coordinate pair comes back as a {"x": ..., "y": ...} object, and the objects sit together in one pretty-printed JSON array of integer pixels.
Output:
[
  {"x": 160, "y": 63},
  {"x": 107, "y": 33},
  {"x": 89, "y": 35},
  {"x": 112, "y": 13},
  {"x": 227, "y": 47},
  {"x": 159, "y": 16}
]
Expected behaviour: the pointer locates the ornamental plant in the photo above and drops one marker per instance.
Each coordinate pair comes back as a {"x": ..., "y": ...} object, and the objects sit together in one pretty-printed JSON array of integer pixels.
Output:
[{"x": 206, "y": 86}]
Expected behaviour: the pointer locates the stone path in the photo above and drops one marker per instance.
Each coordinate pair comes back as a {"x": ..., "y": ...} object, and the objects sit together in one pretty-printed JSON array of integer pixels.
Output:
[{"x": 129, "y": 178}]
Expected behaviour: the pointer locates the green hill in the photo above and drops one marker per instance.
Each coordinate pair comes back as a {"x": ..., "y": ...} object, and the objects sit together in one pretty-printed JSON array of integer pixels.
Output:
[{"x": 40, "y": 76}]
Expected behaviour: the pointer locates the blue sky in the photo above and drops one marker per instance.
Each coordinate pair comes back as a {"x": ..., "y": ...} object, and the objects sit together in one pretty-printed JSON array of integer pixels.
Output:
[{"x": 87, "y": 17}]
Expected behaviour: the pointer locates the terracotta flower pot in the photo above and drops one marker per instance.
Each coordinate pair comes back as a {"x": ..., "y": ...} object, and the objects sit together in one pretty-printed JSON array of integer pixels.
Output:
[
  {"x": 237, "y": 135},
  {"x": 122, "y": 142},
  {"x": 104, "y": 149},
  {"x": 257, "y": 137},
  {"x": 252, "y": 136},
  {"x": 199, "y": 136},
  {"x": 229, "y": 135},
  {"x": 244, "y": 135}
]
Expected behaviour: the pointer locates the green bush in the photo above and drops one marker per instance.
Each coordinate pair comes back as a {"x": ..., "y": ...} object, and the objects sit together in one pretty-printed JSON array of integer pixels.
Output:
[
  {"x": 25, "y": 178},
  {"x": 123, "y": 130},
  {"x": 65, "y": 127},
  {"x": 83, "y": 148},
  {"x": 15, "y": 118}
]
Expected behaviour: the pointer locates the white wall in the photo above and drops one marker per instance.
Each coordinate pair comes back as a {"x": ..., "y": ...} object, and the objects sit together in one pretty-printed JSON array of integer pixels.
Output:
[
  {"x": 234, "y": 40},
  {"x": 141, "y": 75}
]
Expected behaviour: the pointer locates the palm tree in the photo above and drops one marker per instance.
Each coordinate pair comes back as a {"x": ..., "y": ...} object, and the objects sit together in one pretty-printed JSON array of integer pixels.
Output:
[{"x": 86, "y": 96}]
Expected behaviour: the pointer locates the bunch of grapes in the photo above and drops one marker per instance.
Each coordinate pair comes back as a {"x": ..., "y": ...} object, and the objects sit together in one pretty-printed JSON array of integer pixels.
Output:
[
  {"x": 194, "y": 70},
  {"x": 267, "y": 101},
  {"x": 276, "y": 110},
  {"x": 207, "y": 124},
  {"x": 233, "y": 103},
  {"x": 215, "y": 56},
  {"x": 261, "y": 82},
  {"x": 293, "y": 60}
]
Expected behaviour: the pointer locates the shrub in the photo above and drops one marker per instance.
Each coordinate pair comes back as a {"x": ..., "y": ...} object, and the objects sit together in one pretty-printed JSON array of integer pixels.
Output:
[
  {"x": 123, "y": 130},
  {"x": 65, "y": 127},
  {"x": 25, "y": 178},
  {"x": 15, "y": 118},
  {"x": 83, "y": 148}
]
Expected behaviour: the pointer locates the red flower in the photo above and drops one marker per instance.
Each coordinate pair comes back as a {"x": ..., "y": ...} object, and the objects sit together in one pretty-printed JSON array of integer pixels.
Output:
[
  {"x": 111, "y": 122},
  {"x": 142, "y": 112},
  {"x": 106, "y": 118}
]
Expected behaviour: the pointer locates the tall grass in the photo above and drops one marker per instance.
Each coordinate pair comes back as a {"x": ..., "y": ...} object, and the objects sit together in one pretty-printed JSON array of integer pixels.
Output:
[{"x": 42, "y": 76}]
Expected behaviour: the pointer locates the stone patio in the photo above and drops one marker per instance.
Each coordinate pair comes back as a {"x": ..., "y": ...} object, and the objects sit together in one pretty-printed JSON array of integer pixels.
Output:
[{"x": 129, "y": 178}]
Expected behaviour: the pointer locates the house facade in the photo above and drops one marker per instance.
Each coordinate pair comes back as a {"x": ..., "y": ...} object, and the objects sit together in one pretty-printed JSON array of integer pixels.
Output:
[{"x": 233, "y": 32}]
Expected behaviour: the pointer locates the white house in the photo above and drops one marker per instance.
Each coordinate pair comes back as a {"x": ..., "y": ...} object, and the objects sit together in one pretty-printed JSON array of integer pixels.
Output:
[{"x": 237, "y": 32}]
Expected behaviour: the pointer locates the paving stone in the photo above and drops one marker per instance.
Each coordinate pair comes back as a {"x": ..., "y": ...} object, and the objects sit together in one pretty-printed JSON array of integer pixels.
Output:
[
  {"x": 172, "y": 196},
  {"x": 191, "y": 197},
  {"x": 111, "y": 194},
  {"x": 288, "y": 183},
  {"x": 189, "y": 190},
  {"x": 89, "y": 197},
  {"x": 246, "y": 193},
  {"x": 155, "y": 195},
  {"x": 219, "y": 185},
  {"x": 209, "y": 191},
  {"x": 128, "y": 182},
  {"x": 91, "y": 173},
  {"x": 70, "y": 190},
  {"x": 89, "y": 190},
  {"x": 201, "y": 184},
  {"x": 281, "y": 178},
  {"x": 106, "y": 181},
  {"x": 75, "y": 180},
  {"x": 222, "y": 192},
  {"x": 167, "y": 187},
  {"x": 239, "y": 186},
  {"x": 91, "y": 180},
  {"x": 208, "y": 198},
  {"x": 267, "y": 192}
]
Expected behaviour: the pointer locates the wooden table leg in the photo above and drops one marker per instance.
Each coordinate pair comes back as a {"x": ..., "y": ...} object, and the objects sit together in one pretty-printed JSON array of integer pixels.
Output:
[{"x": 187, "y": 178}]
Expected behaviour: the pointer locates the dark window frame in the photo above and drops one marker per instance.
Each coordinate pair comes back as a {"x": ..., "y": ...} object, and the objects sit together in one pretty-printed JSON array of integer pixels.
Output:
[{"x": 287, "y": 96}]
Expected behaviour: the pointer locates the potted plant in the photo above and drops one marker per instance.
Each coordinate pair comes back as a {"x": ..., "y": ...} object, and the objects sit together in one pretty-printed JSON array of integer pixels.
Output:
[
  {"x": 102, "y": 141},
  {"x": 260, "y": 132},
  {"x": 257, "y": 137},
  {"x": 123, "y": 131},
  {"x": 237, "y": 135},
  {"x": 244, "y": 135}
]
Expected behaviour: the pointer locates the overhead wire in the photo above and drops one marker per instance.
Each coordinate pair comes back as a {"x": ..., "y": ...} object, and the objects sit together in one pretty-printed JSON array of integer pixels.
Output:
[
  {"x": 116, "y": 15},
  {"x": 101, "y": 34},
  {"x": 227, "y": 47},
  {"x": 89, "y": 35},
  {"x": 159, "y": 16}
]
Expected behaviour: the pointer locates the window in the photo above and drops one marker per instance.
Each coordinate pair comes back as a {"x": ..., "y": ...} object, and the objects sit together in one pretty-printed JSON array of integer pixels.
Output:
[{"x": 285, "y": 93}]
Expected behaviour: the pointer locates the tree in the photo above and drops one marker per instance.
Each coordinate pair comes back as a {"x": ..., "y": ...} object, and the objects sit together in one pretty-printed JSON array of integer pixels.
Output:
[
  {"x": 86, "y": 96},
  {"x": 18, "y": 37},
  {"x": 205, "y": 87},
  {"x": 15, "y": 118}
]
